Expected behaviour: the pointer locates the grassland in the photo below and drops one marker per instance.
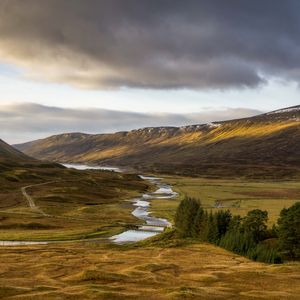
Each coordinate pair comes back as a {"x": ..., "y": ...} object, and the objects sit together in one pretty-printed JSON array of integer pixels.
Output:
[
  {"x": 91, "y": 271},
  {"x": 238, "y": 195},
  {"x": 76, "y": 204},
  {"x": 94, "y": 204}
]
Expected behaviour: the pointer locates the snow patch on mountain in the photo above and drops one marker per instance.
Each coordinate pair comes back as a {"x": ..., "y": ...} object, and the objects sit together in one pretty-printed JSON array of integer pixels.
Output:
[{"x": 285, "y": 110}]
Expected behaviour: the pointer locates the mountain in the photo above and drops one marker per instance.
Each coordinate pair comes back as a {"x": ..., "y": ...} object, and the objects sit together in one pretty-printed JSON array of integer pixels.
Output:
[
  {"x": 9, "y": 154},
  {"x": 266, "y": 145},
  {"x": 12, "y": 159}
]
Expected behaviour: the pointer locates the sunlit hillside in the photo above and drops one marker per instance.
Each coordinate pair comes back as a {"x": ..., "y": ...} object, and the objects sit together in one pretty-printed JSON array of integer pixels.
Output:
[{"x": 248, "y": 147}]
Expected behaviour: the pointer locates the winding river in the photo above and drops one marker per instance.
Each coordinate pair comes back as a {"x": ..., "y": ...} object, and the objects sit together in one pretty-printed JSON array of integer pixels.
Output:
[{"x": 152, "y": 225}]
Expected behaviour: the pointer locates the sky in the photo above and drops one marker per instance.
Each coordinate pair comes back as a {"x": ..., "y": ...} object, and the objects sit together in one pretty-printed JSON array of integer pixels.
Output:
[{"x": 101, "y": 66}]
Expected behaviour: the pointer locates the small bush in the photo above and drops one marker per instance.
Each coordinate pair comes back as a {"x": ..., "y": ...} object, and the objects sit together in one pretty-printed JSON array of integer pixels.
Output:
[{"x": 12, "y": 178}]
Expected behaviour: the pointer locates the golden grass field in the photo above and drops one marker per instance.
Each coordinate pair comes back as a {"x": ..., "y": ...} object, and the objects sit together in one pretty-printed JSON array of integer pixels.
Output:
[{"x": 91, "y": 271}]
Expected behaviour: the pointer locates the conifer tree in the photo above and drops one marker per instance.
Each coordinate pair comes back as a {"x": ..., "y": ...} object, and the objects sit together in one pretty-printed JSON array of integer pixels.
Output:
[
  {"x": 212, "y": 228},
  {"x": 255, "y": 224},
  {"x": 185, "y": 215},
  {"x": 289, "y": 231},
  {"x": 204, "y": 228},
  {"x": 223, "y": 219},
  {"x": 199, "y": 228}
]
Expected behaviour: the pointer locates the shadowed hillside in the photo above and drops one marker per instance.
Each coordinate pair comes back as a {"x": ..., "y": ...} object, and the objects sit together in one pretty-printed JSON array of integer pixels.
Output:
[
  {"x": 264, "y": 145},
  {"x": 11, "y": 158},
  {"x": 9, "y": 154}
]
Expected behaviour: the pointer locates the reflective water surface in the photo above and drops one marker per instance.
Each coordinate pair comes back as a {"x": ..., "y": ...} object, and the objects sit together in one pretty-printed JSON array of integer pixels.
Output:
[{"x": 153, "y": 225}]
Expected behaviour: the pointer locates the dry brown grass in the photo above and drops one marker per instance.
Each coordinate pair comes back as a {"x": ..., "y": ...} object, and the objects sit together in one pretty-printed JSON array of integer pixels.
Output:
[{"x": 90, "y": 271}]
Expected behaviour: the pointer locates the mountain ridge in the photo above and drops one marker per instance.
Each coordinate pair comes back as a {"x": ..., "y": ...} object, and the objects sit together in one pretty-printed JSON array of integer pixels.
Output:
[
  {"x": 271, "y": 140},
  {"x": 292, "y": 109}
]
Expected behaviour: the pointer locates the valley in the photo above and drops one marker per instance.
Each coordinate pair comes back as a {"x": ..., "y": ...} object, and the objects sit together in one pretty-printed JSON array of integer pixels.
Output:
[
  {"x": 81, "y": 232},
  {"x": 149, "y": 150},
  {"x": 87, "y": 266}
]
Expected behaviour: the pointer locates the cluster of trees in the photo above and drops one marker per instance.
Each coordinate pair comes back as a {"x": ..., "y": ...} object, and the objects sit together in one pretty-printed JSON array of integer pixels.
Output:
[{"x": 248, "y": 236}]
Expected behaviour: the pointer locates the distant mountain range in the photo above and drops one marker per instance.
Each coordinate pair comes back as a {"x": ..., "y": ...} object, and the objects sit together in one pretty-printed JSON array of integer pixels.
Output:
[{"x": 266, "y": 145}]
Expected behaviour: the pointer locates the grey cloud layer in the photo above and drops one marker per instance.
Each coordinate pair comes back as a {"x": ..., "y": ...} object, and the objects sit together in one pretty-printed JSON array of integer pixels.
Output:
[
  {"x": 22, "y": 122},
  {"x": 153, "y": 43}
]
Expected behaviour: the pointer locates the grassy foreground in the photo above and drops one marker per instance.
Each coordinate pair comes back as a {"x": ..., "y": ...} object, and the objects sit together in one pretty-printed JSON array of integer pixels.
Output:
[{"x": 90, "y": 271}]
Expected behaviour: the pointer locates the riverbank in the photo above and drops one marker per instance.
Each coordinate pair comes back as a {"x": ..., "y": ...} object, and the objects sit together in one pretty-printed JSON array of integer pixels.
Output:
[
  {"x": 72, "y": 205},
  {"x": 150, "y": 224}
]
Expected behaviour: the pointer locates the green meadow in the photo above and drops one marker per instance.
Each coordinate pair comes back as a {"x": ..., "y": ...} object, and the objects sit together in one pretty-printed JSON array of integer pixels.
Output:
[{"x": 239, "y": 196}]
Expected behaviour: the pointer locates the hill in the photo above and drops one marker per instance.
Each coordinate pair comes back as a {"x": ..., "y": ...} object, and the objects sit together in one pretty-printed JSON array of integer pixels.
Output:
[
  {"x": 9, "y": 154},
  {"x": 264, "y": 145},
  {"x": 11, "y": 158}
]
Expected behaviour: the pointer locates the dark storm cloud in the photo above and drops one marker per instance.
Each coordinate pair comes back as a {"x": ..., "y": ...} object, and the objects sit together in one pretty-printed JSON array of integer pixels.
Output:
[
  {"x": 27, "y": 121},
  {"x": 153, "y": 43}
]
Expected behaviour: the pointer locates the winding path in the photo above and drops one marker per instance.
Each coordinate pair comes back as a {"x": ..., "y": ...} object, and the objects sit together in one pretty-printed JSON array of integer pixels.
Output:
[
  {"x": 37, "y": 209},
  {"x": 30, "y": 200}
]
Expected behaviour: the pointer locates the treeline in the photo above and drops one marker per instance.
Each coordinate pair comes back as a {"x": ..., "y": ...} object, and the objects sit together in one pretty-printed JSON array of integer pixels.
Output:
[{"x": 248, "y": 236}]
